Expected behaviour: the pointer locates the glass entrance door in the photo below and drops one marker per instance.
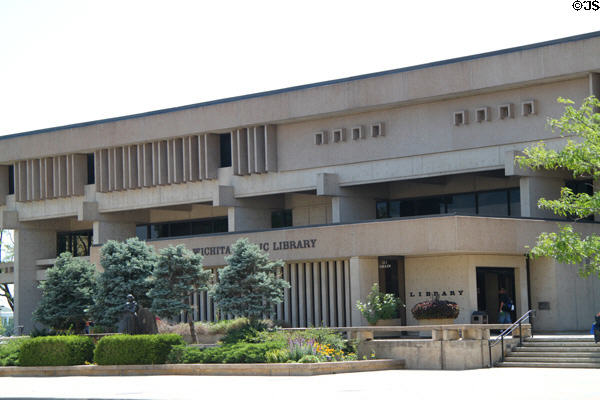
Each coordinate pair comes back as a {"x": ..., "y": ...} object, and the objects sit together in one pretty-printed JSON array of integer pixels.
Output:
[{"x": 489, "y": 282}]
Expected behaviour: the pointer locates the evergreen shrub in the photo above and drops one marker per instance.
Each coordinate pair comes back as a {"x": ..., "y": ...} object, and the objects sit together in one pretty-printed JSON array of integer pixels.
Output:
[
  {"x": 434, "y": 309},
  {"x": 240, "y": 353},
  {"x": 135, "y": 349},
  {"x": 9, "y": 352},
  {"x": 56, "y": 350}
]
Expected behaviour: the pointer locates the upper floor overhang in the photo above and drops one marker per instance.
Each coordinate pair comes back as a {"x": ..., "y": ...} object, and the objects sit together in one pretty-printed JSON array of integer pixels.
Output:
[{"x": 559, "y": 59}]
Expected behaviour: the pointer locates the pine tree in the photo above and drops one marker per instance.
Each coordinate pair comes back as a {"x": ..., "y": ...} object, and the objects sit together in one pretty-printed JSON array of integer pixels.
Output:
[
  {"x": 67, "y": 294},
  {"x": 178, "y": 273},
  {"x": 250, "y": 285},
  {"x": 127, "y": 267}
]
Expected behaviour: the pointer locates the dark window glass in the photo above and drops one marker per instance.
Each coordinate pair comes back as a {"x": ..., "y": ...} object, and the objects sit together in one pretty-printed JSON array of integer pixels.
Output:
[
  {"x": 159, "y": 231},
  {"x": 201, "y": 227},
  {"x": 181, "y": 228},
  {"x": 141, "y": 231},
  {"x": 281, "y": 219},
  {"x": 515, "y": 202},
  {"x": 394, "y": 210},
  {"x": 11, "y": 179},
  {"x": 462, "y": 203},
  {"x": 77, "y": 243},
  {"x": 225, "y": 150},
  {"x": 493, "y": 203},
  {"x": 407, "y": 208},
  {"x": 91, "y": 178},
  {"x": 429, "y": 206},
  {"x": 381, "y": 209},
  {"x": 221, "y": 225}
]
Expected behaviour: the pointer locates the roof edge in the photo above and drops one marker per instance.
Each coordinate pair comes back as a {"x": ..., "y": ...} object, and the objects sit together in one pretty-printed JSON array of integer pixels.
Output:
[{"x": 310, "y": 85}]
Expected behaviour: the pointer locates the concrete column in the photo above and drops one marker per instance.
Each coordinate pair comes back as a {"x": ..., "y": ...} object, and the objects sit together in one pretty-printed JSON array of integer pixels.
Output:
[
  {"x": 352, "y": 209},
  {"x": 532, "y": 188},
  {"x": 246, "y": 219},
  {"x": 30, "y": 246},
  {"x": 105, "y": 231},
  {"x": 363, "y": 274}
]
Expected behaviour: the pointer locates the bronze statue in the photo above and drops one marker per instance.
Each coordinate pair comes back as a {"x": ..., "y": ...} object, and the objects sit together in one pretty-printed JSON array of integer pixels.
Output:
[{"x": 136, "y": 320}]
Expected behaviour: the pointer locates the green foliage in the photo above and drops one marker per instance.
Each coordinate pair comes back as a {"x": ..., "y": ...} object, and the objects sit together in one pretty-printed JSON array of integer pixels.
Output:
[
  {"x": 135, "y": 349},
  {"x": 177, "y": 274},
  {"x": 277, "y": 356},
  {"x": 56, "y": 350},
  {"x": 379, "y": 306},
  {"x": 309, "y": 359},
  {"x": 250, "y": 284},
  {"x": 67, "y": 293},
  {"x": 227, "y": 354},
  {"x": 127, "y": 267},
  {"x": 224, "y": 326},
  {"x": 9, "y": 352},
  {"x": 246, "y": 332},
  {"x": 581, "y": 156},
  {"x": 433, "y": 309}
]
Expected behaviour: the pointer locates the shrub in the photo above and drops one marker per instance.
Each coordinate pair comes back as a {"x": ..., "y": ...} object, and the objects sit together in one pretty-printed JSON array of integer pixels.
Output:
[
  {"x": 379, "y": 306},
  {"x": 9, "y": 352},
  {"x": 246, "y": 332},
  {"x": 136, "y": 349},
  {"x": 300, "y": 347},
  {"x": 56, "y": 350},
  {"x": 277, "y": 356},
  {"x": 226, "y": 354},
  {"x": 309, "y": 358},
  {"x": 435, "y": 309}
]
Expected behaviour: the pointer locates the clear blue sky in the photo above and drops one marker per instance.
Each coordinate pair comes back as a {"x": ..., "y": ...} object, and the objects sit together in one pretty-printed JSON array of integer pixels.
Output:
[{"x": 71, "y": 61}]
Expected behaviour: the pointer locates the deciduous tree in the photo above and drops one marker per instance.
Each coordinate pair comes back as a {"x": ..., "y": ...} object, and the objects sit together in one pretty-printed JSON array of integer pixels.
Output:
[{"x": 581, "y": 156}]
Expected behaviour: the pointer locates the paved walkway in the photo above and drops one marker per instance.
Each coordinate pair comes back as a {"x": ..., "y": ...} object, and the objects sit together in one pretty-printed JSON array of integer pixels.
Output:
[{"x": 488, "y": 384}]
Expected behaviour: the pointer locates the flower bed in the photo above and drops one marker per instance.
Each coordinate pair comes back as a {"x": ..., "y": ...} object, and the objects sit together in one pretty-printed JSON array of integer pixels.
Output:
[{"x": 435, "y": 309}]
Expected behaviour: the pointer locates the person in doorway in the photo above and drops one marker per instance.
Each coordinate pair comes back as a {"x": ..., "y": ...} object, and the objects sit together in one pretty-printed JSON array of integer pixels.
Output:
[{"x": 505, "y": 307}]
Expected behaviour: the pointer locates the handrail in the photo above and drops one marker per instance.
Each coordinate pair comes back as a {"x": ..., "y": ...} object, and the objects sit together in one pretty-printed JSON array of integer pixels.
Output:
[{"x": 500, "y": 339}]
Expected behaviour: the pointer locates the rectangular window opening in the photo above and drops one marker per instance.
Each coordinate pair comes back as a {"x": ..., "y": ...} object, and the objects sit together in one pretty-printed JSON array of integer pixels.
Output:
[
  {"x": 527, "y": 108},
  {"x": 376, "y": 130},
  {"x": 320, "y": 138},
  {"x": 481, "y": 114},
  {"x": 338, "y": 135},
  {"x": 11, "y": 179},
  {"x": 225, "y": 150},
  {"x": 505, "y": 111},
  {"x": 91, "y": 178},
  {"x": 357, "y": 133}
]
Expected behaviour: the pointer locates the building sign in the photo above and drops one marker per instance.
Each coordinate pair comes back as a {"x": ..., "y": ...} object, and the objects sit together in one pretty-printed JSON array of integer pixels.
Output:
[
  {"x": 265, "y": 246},
  {"x": 436, "y": 293}
]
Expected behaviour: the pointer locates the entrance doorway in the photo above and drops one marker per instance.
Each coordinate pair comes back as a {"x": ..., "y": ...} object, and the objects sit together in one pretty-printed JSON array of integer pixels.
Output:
[
  {"x": 391, "y": 280},
  {"x": 489, "y": 282}
]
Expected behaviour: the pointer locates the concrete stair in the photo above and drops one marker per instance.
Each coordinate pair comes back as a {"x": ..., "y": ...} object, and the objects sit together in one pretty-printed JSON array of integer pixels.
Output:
[{"x": 554, "y": 352}]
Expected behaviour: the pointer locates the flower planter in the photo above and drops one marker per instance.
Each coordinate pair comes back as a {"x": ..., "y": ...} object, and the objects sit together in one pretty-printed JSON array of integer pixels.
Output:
[
  {"x": 388, "y": 322},
  {"x": 433, "y": 321}
]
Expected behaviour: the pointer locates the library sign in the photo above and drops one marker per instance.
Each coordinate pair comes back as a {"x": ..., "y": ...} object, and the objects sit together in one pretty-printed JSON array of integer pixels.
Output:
[{"x": 265, "y": 246}]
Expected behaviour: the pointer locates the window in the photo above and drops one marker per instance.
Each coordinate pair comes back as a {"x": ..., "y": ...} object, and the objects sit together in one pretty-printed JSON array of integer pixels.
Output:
[
  {"x": 497, "y": 203},
  {"x": 181, "y": 228},
  {"x": 91, "y": 178},
  {"x": 528, "y": 108},
  {"x": 225, "y": 150},
  {"x": 357, "y": 133},
  {"x": 281, "y": 219},
  {"x": 320, "y": 138},
  {"x": 460, "y": 118},
  {"x": 377, "y": 130},
  {"x": 482, "y": 114},
  {"x": 77, "y": 243},
  {"x": 11, "y": 179},
  {"x": 505, "y": 111},
  {"x": 339, "y": 135}
]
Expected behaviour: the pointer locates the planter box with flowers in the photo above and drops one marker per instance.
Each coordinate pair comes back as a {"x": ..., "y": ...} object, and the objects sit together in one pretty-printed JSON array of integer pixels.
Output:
[
  {"x": 435, "y": 312},
  {"x": 381, "y": 309}
]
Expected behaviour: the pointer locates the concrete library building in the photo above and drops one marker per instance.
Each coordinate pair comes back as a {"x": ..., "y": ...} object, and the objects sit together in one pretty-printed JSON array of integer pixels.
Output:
[{"x": 405, "y": 178}]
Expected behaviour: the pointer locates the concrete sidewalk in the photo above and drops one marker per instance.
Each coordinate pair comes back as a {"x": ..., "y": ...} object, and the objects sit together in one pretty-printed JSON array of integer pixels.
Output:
[{"x": 489, "y": 384}]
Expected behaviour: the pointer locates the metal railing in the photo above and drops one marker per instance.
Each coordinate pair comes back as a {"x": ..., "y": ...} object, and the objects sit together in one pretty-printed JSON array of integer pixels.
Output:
[{"x": 500, "y": 339}]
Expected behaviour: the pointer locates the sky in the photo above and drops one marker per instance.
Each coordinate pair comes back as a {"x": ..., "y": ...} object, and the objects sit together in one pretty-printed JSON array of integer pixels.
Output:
[{"x": 64, "y": 62}]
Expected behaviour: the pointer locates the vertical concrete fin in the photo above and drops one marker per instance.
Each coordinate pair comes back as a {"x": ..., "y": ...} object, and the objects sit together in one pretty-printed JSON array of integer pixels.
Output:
[
  {"x": 193, "y": 160},
  {"x": 242, "y": 151},
  {"x": 271, "y": 148},
  {"x": 234, "y": 152},
  {"x": 251, "y": 146},
  {"x": 211, "y": 155},
  {"x": 259, "y": 149}
]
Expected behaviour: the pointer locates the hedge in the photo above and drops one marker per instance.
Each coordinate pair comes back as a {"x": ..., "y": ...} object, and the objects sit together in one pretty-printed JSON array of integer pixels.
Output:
[
  {"x": 56, "y": 350},
  {"x": 226, "y": 354},
  {"x": 9, "y": 352},
  {"x": 135, "y": 349}
]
